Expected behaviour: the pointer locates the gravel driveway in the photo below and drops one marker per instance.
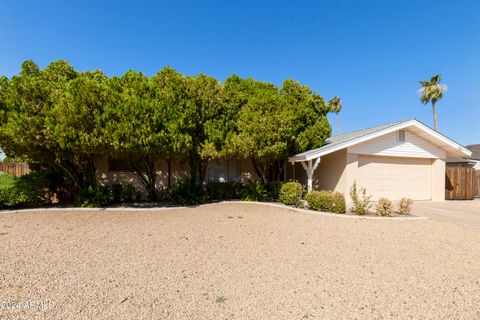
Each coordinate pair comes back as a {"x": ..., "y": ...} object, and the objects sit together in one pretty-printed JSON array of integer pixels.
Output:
[{"x": 234, "y": 261}]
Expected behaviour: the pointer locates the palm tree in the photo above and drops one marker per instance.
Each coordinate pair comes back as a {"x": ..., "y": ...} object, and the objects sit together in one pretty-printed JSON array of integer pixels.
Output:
[
  {"x": 432, "y": 91},
  {"x": 335, "y": 105}
]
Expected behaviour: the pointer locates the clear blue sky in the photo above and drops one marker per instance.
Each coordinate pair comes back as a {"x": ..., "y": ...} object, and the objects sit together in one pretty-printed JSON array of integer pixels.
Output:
[{"x": 370, "y": 53}]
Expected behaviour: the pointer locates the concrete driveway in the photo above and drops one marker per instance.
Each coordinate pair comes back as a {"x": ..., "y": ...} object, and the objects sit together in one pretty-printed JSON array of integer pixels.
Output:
[{"x": 465, "y": 212}]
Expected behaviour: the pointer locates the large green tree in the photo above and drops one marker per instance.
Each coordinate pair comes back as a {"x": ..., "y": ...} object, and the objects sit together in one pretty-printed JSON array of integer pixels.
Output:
[
  {"x": 432, "y": 91},
  {"x": 67, "y": 119},
  {"x": 276, "y": 123}
]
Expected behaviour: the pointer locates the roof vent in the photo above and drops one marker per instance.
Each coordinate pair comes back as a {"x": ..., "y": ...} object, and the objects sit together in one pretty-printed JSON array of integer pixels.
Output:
[{"x": 401, "y": 135}]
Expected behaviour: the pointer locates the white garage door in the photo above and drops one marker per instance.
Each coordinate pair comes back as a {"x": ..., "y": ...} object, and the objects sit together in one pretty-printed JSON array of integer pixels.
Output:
[{"x": 395, "y": 178}]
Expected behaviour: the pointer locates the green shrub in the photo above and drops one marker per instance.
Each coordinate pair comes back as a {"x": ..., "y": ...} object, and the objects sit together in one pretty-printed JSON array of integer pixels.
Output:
[
  {"x": 130, "y": 193},
  {"x": 384, "y": 207},
  {"x": 338, "y": 202},
  {"x": 38, "y": 186},
  {"x": 254, "y": 191},
  {"x": 10, "y": 195},
  {"x": 123, "y": 193},
  {"x": 405, "y": 206},
  {"x": 187, "y": 194},
  {"x": 93, "y": 197},
  {"x": 223, "y": 190},
  {"x": 116, "y": 192},
  {"x": 273, "y": 190},
  {"x": 361, "y": 202},
  {"x": 326, "y": 201},
  {"x": 290, "y": 193}
]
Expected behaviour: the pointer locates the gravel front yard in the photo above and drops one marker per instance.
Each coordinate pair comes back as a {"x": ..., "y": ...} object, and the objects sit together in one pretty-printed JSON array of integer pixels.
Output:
[{"x": 234, "y": 261}]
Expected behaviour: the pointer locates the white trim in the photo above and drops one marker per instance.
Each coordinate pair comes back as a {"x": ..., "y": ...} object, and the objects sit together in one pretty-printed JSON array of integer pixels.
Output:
[{"x": 316, "y": 153}]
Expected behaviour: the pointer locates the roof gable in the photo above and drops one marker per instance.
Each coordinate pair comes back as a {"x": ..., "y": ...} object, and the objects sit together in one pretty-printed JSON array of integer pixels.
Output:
[{"x": 346, "y": 140}]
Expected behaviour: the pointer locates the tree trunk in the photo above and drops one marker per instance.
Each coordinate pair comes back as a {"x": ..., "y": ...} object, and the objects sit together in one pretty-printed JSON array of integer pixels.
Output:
[
  {"x": 260, "y": 171},
  {"x": 434, "y": 107},
  {"x": 147, "y": 176},
  {"x": 202, "y": 170},
  {"x": 169, "y": 164}
]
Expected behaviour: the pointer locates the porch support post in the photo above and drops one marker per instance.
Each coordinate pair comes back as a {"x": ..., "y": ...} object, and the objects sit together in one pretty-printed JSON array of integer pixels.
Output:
[{"x": 310, "y": 169}]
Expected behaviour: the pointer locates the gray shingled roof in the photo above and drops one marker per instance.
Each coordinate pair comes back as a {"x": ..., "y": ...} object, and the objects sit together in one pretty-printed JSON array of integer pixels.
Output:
[
  {"x": 475, "y": 148},
  {"x": 345, "y": 137}
]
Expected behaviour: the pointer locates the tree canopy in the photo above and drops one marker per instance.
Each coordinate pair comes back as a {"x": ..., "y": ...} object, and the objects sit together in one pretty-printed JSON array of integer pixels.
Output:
[{"x": 63, "y": 118}]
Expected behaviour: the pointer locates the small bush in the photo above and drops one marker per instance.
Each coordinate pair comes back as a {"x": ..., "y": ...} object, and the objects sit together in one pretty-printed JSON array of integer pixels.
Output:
[
  {"x": 223, "y": 190},
  {"x": 290, "y": 193},
  {"x": 326, "y": 201},
  {"x": 130, "y": 193},
  {"x": 361, "y": 202},
  {"x": 338, "y": 202},
  {"x": 273, "y": 190},
  {"x": 187, "y": 194},
  {"x": 123, "y": 193},
  {"x": 37, "y": 186},
  {"x": 254, "y": 191},
  {"x": 93, "y": 197},
  {"x": 10, "y": 195},
  {"x": 384, "y": 207},
  {"x": 116, "y": 190},
  {"x": 405, "y": 206}
]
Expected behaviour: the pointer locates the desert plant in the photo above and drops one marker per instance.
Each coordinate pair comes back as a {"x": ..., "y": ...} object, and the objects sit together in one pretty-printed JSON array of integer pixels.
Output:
[
  {"x": 254, "y": 191},
  {"x": 326, "y": 201},
  {"x": 319, "y": 200},
  {"x": 405, "y": 206},
  {"x": 384, "y": 207},
  {"x": 361, "y": 202},
  {"x": 188, "y": 193},
  {"x": 290, "y": 193},
  {"x": 338, "y": 203}
]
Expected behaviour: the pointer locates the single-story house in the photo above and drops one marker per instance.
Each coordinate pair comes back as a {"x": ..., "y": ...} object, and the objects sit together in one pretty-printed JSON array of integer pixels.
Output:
[{"x": 401, "y": 159}]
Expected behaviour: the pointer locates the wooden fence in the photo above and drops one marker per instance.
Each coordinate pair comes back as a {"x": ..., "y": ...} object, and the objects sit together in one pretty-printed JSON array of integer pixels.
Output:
[
  {"x": 15, "y": 168},
  {"x": 478, "y": 184},
  {"x": 461, "y": 183}
]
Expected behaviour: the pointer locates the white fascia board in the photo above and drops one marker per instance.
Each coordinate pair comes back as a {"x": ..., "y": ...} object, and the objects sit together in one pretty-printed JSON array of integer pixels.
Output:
[{"x": 316, "y": 154}]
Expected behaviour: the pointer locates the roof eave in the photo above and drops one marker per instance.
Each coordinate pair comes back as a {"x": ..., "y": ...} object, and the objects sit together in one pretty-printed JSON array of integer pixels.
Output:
[{"x": 460, "y": 150}]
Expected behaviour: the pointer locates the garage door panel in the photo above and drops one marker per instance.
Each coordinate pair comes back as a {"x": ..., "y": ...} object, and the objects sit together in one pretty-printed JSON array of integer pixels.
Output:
[{"x": 395, "y": 177}]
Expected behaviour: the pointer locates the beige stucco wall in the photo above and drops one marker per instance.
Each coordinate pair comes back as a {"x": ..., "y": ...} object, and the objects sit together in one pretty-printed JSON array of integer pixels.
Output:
[
  {"x": 438, "y": 179},
  {"x": 105, "y": 177},
  {"x": 330, "y": 173},
  {"x": 350, "y": 176},
  {"x": 179, "y": 171}
]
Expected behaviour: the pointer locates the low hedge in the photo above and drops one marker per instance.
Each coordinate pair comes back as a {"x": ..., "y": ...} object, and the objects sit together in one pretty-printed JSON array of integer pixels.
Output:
[
  {"x": 290, "y": 193},
  {"x": 327, "y": 201}
]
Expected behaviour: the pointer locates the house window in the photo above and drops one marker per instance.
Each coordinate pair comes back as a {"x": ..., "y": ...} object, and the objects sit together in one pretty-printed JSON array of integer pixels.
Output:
[
  {"x": 118, "y": 165},
  {"x": 401, "y": 135},
  {"x": 223, "y": 170}
]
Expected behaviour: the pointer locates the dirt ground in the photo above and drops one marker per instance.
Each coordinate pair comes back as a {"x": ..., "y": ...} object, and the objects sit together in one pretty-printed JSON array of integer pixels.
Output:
[{"x": 234, "y": 261}]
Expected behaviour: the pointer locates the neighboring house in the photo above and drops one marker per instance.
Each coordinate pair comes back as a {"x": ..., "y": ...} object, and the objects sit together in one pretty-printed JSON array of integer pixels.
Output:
[
  {"x": 401, "y": 159},
  {"x": 471, "y": 161}
]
